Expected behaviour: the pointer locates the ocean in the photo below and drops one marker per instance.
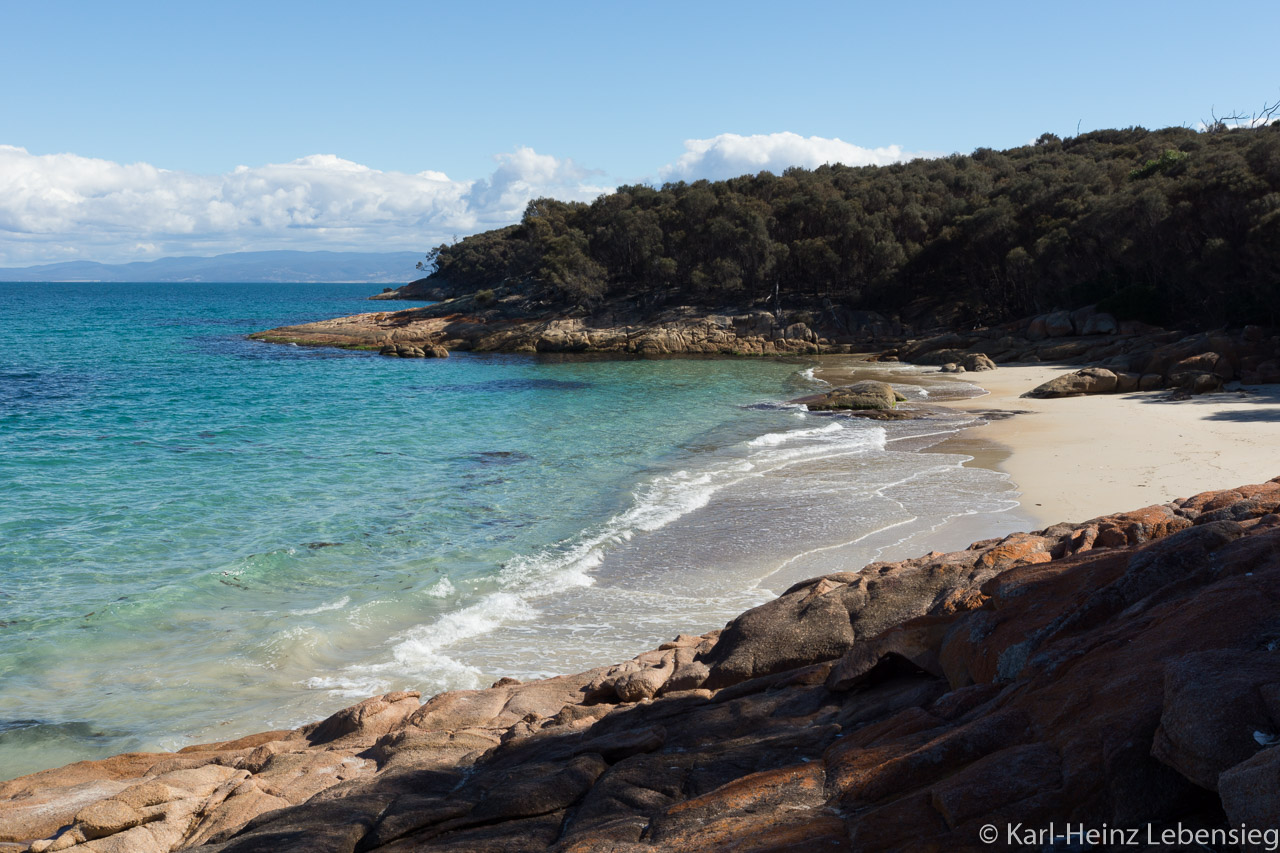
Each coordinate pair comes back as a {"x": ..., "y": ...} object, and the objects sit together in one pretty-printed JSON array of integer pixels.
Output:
[{"x": 203, "y": 536}]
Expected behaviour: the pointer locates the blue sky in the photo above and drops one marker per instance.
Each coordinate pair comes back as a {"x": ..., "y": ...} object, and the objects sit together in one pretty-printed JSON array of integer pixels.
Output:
[{"x": 494, "y": 102}]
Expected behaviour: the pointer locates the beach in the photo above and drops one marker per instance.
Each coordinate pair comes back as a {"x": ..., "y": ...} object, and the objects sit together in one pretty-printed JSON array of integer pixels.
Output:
[
  {"x": 1076, "y": 458},
  {"x": 778, "y": 524},
  {"x": 980, "y": 647},
  {"x": 212, "y": 539}
]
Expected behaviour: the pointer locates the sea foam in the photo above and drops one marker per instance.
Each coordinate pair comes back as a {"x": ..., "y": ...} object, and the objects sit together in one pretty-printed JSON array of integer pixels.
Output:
[{"x": 657, "y": 503}]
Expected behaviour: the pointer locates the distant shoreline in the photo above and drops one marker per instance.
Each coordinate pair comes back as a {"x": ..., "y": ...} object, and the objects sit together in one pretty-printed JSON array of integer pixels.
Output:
[
  {"x": 185, "y": 281},
  {"x": 276, "y": 267}
]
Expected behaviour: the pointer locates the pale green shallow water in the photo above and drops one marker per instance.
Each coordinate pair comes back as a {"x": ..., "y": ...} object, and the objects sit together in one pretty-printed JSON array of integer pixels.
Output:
[{"x": 203, "y": 536}]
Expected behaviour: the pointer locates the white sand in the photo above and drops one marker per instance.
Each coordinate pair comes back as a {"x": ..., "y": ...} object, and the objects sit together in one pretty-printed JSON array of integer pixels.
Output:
[{"x": 1076, "y": 458}]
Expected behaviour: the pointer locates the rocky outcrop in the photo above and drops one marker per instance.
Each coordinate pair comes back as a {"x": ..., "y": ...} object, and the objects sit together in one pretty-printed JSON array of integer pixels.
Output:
[
  {"x": 1141, "y": 357},
  {"x": 1124, "y": 671},
  {"x": 513, "y": 326}
]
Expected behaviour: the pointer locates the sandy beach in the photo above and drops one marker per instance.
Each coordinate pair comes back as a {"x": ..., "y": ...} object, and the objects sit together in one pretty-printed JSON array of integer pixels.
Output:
[{"x": 1076, "y": 458}]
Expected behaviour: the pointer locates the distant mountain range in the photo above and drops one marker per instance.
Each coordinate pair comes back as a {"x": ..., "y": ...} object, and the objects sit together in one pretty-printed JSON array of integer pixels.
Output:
[{"x": 372, "y": 267}]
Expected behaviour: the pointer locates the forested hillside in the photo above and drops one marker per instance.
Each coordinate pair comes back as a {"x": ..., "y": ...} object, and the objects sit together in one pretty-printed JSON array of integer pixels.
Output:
[{"x": 1166, "y": 226}]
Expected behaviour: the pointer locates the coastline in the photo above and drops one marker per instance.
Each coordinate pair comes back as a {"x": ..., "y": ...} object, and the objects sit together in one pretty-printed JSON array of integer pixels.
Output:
[
  {"x": 568, "y": 726},
  {"x": 1077, "y": 458},
  {"x": 901, "y": 708},
  {"x": 743, "y": 547}
]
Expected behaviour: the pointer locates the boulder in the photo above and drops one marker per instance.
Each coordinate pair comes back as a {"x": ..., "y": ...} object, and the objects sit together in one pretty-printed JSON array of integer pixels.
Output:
[
  {"x": 107, "y": 818},
  {"x": 1266, "y": 373},
  {"x": 1058, "y": 324},
  {"x": 1080, "y": 318},
  {"x": 1183, "y": 373},
  {"x": 1091, "y": 380},
  {"x": 1250, "y": 791},
  {"x": 799, "y": 332},
  {"x": 941, "y": 356},
  {"x": 369, "y": 719},
  {"x": 951, "y": 367},
  {"x": 1188, "y": 384},
  {"x": 867, "y": 394},
  {"x": 644, "y": 683},
  {"x": 756, "y": 323},
  {"x": 1216, "y": 714},
  {"x": 1100, "y": 324},
  {"x": 977, "y": 361},
  {"x": 809, "y": 625},
  {"x": 1126, "y": 382}
]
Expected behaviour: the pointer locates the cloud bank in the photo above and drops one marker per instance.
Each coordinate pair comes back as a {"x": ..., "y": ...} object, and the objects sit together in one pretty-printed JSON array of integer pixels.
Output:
[
  {"x": 61, "y": 207},
  {"x": 64, "y": 207},
  {"x": 729, "y": 155}
]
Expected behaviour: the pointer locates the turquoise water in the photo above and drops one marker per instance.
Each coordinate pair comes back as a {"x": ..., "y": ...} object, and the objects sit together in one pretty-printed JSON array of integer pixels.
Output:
[{"x": 203, "y": 536}]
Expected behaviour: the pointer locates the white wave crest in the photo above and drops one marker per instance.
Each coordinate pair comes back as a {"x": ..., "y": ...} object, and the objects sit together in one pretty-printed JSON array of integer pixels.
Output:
[
  {"x": 441, "y": 589},
  {"x": 418, "y": 652},
  {"x": 334, "y": 605},
  {"x": 669, "y": 497},
  {"x": 656, "y": 504},
  {"x": 808, "y": 376},
  {"x": 828, "y": 446},
  {"x": 771, "y": 439},
  {"x": 419, "y": 645}
]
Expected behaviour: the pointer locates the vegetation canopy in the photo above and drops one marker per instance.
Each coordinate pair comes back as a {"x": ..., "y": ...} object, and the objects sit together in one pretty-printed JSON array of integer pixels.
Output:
[{"x": 1166, "y": 226}]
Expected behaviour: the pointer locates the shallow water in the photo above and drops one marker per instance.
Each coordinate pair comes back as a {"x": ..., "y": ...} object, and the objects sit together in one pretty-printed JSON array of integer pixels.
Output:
[{"x": 203, "y": 536}]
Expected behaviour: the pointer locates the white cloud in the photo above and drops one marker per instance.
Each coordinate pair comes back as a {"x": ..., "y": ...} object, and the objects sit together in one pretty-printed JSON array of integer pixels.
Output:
[
  {"x": 729, "y": 155},
  {"x": 64, "y": 206},
  {"x": 56, "y": 207},
  {"x": 523, "y": 175},
  {"x": 1239, "y": 123}
]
